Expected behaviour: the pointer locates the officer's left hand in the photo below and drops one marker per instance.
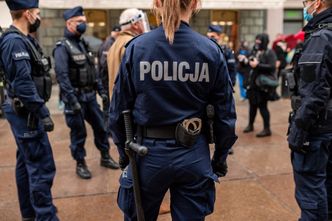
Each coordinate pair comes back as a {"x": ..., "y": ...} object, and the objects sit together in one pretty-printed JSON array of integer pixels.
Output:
[
  {"x": 296, "y": 139},
  {"x": 48, "y": 124},
  {"x": 219, "y": 168},
  {"x": 104, "y": 98}
]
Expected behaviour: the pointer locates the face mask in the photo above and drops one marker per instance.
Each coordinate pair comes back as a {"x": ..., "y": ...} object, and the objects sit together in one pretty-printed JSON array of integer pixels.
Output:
[
  {"x": 34, "y": 27},
  {"x": 81, "y": 28},
  {"x": 306, "y": 14},
  {"x": 257, "y": 47}
]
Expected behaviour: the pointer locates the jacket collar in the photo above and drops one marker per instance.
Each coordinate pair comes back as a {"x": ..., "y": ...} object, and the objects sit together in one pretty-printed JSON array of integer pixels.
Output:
[{"x": 322, "y": 18}]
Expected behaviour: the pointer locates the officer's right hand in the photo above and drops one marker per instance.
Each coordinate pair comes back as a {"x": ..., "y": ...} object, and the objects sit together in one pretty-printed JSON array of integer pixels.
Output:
[
  {"x": 76, "y": 107},
  {"x": 48, "y": 124},
  {"x": 297, "y": 138},
  {"x": 123, "y": 162},
  {"x": 219, "y": 168}
]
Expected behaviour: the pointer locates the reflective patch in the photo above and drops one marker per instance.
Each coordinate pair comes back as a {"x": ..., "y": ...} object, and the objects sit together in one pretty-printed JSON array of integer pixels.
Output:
[
  {"x": 22, "y": 55},
  {"x": 231, "y": 61},
  {"x": 80, "y": 57}
]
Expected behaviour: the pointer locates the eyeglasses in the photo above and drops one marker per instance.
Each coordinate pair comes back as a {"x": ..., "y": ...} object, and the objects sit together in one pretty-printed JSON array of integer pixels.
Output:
[{"x": 305, "y": 2}]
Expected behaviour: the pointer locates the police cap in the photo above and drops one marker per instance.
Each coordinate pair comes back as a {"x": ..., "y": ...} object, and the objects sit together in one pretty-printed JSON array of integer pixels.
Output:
[
  {"x": 215, "y": 28},
  {"x": 15, "y": 5},
  {"x": 73, "y": 12}
]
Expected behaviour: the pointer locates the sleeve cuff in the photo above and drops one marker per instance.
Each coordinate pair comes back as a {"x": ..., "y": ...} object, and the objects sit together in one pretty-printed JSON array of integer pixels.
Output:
[{"x": 44, "y": 112}]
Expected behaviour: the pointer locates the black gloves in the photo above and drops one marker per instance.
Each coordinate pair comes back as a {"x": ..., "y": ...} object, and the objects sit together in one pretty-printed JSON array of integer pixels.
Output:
[
  {"x": 104, "y": 97},
  {"x": 48, "y": 124},
  {"x": 123, "y": 162},
  {"x": 219, "y": 168},
  {"x": 297, "y": 138},
  {"x": 76, "y": 107}
]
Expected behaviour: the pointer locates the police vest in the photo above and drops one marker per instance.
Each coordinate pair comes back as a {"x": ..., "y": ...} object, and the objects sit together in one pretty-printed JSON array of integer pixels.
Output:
[
  {"x": 82, "y": 73},
  {"x": 40, "y": 67},
  {"x": 2, "y": 74}
]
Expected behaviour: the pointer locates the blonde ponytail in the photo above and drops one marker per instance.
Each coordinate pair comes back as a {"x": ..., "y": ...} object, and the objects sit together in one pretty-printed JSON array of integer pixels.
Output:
[{"x": 170, "y": 14}]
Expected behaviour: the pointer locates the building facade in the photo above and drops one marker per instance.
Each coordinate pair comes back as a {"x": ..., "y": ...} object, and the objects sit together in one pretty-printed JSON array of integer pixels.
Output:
[{"x": 241, "y": 19}]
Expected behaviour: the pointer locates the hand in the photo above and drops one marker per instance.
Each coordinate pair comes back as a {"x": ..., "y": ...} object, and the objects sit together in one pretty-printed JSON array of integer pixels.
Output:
[
  {"x": 297, "y": 139},
  {"x": 219, "y": 168},
  {"x": 76, "y": 107},
  {"x": 241, "y": 57},
  {"x": 123, "y": 162},
  {"x": 104, "y": 98},
  {"x": 253, "y": 63},
  {"x": 48, "y": 124}
]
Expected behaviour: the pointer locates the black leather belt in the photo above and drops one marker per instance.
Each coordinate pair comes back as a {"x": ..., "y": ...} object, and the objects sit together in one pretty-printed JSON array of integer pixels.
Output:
[
  {"x": 84, "y": 90},
  {"x": 160, "y": 132}
]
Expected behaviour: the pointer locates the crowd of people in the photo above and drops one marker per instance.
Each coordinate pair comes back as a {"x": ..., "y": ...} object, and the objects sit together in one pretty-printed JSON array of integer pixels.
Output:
[{"x": 180, "y": 97}]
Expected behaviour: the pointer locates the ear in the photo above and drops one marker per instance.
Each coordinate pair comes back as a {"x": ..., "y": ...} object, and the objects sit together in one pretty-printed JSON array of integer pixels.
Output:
[
  {"x": 193, "y": 5},
  {"x": 158, "y": 3},
  {"x": 27, "y": 13},
  {"x": 317, "y": 4}
]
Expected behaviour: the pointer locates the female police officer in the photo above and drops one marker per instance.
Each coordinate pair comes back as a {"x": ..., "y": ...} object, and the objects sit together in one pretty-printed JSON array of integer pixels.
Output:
[
  {"x": 167, "y": 77},
  {"x": 28, "y": 87}
]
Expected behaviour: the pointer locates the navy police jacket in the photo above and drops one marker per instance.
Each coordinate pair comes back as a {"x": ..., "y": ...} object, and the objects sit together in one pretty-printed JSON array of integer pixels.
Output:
[
  {"x": 231, "y": 62},
  {"x": 164, "y": 84},
  {"x": 315, "y": 68},
  {"x": 16, "y": 58},
  {"x": 62, "y": 69}
]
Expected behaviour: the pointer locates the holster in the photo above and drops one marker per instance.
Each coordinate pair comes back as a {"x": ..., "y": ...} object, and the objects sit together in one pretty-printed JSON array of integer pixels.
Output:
[
  {"x": 295, "y": 102},
  {"x": 188, "y": 131},
  {"x": 19, "y": 108}
]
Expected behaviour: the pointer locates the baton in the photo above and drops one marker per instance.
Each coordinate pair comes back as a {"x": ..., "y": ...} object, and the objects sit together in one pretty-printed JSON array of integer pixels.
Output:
[{"x": 131, "y": 150}]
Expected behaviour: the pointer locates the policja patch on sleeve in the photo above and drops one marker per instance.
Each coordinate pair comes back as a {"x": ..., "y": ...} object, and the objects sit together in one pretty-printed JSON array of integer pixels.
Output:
[{"x": 22, "y": 55}]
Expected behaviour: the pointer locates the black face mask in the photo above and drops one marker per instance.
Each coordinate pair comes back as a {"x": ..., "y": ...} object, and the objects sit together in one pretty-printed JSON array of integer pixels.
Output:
[
  {"x": 258, "y": 46},
  {"x": 34, "y": 27}
]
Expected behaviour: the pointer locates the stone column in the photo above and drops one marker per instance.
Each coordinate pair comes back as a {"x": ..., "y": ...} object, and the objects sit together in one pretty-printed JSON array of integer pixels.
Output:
[{"x": 275, "y": 20}]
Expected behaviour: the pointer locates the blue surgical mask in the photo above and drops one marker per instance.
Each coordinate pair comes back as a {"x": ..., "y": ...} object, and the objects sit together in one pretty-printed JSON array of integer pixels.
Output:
[
  {"x": 81, "y": 28},
  {"x": 306, "y": 15}
]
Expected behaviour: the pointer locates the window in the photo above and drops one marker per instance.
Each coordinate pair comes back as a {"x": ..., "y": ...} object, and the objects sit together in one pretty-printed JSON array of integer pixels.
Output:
[{"x": 293, "y": 21}]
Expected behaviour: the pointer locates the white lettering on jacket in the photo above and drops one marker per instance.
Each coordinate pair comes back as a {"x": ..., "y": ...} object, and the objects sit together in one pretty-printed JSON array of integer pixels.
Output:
[{"x": 177, "y": 71}]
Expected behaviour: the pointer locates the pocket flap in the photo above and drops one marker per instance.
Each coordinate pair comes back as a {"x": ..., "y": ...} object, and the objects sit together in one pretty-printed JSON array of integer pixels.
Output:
[
  {"x": 311, "y": 59},
  {"x": 308, "y": 205}
]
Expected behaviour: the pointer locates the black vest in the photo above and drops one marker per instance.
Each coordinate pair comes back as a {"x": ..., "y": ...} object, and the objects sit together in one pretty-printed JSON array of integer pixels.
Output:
[
  {"x": 40, "y": 67},
  {"x": 82, "y": 73}
]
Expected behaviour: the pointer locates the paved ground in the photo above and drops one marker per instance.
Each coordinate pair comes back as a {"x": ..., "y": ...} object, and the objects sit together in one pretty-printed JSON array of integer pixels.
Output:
[{"x": 259, "y": 186}]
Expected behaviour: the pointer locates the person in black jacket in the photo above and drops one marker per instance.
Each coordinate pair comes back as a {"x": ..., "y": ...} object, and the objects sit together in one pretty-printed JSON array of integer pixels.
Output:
[
  {"x": 102, "y": 56},
  {"x": 310, "y": 134},
  {"x": 263, "y": 62},
  {"x": 243, "y": 69}
]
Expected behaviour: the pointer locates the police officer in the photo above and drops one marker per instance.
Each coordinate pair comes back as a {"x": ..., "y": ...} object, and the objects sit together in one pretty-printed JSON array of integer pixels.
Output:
[
  {"x": 1, "y": 83},
  {"x": 167, "y": 78},
  {"x": 78, "y": 82},
  {"x": 214, "y": 33},
  {"x": 28, "y": 86},
  {"x": 310, "y": 135},
  {"x": 102, "y": 56}
]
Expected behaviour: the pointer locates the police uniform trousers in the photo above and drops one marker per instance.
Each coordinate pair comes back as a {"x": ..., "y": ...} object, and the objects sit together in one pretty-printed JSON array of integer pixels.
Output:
[
  {"x": 313, "y": 179},
  {"x": 93, "y": 115},
  {"x": 35, "y": 168},
  {"x": 185, "y": 171}
]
